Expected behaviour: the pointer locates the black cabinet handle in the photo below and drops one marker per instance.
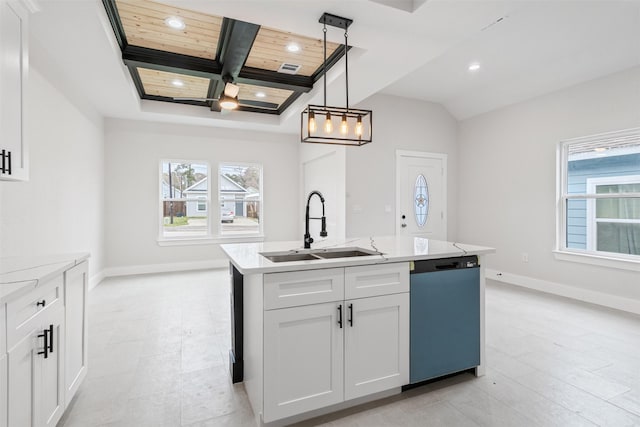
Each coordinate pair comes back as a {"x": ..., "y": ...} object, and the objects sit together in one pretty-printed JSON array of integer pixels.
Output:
[
  {"x": 340, "y": 315},
  {"x": 45, "y": 351},
  {"x": 351, "y": 314},
  {"x": 50, "y": 338},
  {"x": 5, "y": 162},
  {"x": 41, "y": 303}
]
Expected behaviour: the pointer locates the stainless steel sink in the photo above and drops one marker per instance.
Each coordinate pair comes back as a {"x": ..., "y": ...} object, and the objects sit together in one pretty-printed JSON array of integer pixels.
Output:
[
  {"x": 291, "y": 257},
  {"x": 317, "y": 254}
]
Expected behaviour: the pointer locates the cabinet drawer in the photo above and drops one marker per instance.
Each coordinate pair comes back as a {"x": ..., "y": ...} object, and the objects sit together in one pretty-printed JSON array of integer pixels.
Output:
[
  {"x": 374, "y": 280},
  {"x": 303, "y": 287},
  {"x": 23, "y": 313}
]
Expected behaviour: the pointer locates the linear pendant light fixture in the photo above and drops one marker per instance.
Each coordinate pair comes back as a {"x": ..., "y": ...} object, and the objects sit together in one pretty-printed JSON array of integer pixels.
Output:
[{"x": 336, "y": 125}]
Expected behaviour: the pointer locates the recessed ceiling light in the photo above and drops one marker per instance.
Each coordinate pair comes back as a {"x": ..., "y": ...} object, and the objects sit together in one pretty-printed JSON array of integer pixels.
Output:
[
  {"x": 599, "y": 149},
  {"x": 177, "y": 83},
  {"x": 474, "y": 67},
  {"x": 260, "y": 94},
  {"x": 175, "y": 23},
  {"x": 293, "y": 47}
]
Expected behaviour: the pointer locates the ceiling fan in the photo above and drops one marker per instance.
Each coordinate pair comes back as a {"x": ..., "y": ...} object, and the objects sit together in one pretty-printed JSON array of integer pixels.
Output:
[{"x": 228, "y": 100}]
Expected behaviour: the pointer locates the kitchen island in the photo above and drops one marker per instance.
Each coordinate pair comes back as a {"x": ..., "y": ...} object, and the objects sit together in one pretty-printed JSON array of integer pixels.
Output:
[{"x": 318, "y": 330}]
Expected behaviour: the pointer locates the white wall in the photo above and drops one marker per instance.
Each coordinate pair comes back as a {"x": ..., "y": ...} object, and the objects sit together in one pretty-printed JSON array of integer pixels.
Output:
[
  {"x": 508, "y": 180},
  {"x": 60, "y": 209},
  {"x": 133, "y": 152},
  {"x": 323, "y": 168},
  {"x": 398, "y": 124}
]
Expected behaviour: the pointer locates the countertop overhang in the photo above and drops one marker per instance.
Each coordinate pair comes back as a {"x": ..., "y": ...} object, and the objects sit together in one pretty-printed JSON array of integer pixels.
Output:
[
  {"x": 20, "y": 274},
  {"x": 247, "y": 258}
]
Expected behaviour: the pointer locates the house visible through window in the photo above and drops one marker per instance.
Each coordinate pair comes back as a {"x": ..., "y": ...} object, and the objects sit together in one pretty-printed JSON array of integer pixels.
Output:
[
  {"x": 600, "y": 195},
  {"x": 184, "y": 200},
  {"x": 240, "y": 197}
]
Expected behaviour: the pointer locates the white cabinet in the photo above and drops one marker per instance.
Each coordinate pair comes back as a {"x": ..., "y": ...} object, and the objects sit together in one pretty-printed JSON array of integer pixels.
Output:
[
  {"x": 46, "y": 348},
  {"x": 49, "y": 373},
  {"x": 3, "y": 390},
  {"x": 36, "y": 367},
  {"x": 376, "y": 344},
  {"x": 319, "y": 354},
  {"x": 303, "y": 360},
  {"x": 13, "y": 77},
  {"x": 76, "y": 344}
]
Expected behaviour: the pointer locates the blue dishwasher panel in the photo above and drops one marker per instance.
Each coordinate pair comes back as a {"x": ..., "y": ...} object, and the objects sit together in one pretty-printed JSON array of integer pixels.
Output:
[{"x": 445, "y": 322}]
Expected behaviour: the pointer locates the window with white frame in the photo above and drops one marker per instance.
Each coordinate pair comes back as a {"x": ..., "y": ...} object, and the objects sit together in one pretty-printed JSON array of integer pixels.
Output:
[
  {"x": 184, "y": 196},
  {"x": 599, "y": 195},
  {"x": 240, "y": 197}
]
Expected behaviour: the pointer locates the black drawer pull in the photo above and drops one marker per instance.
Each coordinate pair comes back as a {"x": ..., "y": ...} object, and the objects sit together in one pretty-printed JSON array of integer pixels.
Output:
[
  {"x": 41, "y": 303},
  {"x": 340, "y": 315}
]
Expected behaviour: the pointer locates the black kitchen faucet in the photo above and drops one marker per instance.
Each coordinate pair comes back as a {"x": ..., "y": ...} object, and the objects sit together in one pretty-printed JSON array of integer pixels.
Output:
[{"x": 308, "y": 240}]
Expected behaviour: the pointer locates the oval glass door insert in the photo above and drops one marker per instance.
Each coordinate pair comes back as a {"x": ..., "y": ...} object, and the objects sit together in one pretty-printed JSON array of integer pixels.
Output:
[{"x": 421, "y": 201}]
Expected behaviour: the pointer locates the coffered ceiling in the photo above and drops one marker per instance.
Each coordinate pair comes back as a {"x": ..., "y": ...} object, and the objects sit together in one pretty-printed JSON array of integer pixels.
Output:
[{"x": 179, "y": 55}]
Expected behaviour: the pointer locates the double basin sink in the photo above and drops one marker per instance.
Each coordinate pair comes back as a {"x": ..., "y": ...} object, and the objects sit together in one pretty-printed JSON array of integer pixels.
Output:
[{"x": 317, "y": 254}]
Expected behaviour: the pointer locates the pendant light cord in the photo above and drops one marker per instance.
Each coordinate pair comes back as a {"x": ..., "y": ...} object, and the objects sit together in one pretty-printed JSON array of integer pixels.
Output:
[
  {"x": 346, "y": 66},
  {"x": 324, "y": 64}
]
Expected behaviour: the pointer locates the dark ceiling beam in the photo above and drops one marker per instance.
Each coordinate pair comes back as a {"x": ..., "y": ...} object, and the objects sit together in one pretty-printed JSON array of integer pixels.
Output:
[
  {"x": 238, "y": 38},
  {"x": 274, "y": 79},
  {"x": 153, "y": 59},
  {"x": 114, "y": 18}
]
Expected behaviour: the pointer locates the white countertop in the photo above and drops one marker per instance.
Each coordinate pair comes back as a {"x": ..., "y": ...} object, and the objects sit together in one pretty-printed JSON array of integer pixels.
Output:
[
  {"x": 247, "y": 259},
  {"x": 23, "y": 273}
]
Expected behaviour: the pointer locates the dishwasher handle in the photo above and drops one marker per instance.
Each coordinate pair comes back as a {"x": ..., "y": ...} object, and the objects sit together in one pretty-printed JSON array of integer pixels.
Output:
[
  {"x": 451, "y": 266},
  {"x": 444, "y": 264}
]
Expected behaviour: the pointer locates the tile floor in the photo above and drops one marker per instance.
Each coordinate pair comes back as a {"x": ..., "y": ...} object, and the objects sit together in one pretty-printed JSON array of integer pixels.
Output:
[{"x": 159, "y": 345}]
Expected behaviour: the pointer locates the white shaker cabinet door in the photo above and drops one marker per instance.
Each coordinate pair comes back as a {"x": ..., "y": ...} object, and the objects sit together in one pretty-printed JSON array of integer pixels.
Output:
[
  {"x": 303, "y": 359},
  {"x": 13, "y": 75},
  {"x": 376, "y": 344},
  {"x": 22, "y": 359},
  {"x": 76, "y": 347},
  {"x": 49, "y": 395},
  {"x": 3, "y": 390}
]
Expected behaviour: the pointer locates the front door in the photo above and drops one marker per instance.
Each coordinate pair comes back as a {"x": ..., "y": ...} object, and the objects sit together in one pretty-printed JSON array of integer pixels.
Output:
[{"x": 421, "y": 204}]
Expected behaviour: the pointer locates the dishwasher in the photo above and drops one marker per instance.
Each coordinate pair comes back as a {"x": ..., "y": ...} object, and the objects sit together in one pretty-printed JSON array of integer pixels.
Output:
[{"x": 445, "y": 317}]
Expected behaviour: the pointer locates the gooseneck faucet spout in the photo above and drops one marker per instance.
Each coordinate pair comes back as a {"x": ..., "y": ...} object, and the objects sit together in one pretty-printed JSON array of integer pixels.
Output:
[{"x": 308, "y": 240}]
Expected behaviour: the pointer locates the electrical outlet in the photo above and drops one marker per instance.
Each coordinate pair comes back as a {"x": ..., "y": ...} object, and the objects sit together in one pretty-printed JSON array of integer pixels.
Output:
[{"x": 525, "y": 257}]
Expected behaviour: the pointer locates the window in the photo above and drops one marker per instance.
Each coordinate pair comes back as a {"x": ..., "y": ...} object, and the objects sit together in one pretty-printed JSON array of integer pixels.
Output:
[
  {"x": 202, "y": 204},
  {"x": 599, "y": 191},
  {"x": 184, "y": 199},
  {"x": 240, "y": 197}
]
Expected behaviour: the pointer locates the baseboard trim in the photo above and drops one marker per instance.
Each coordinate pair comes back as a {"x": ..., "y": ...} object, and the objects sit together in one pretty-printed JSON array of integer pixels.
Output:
[
  {"x": 593, "y": 297},
  {"x": 96, "y": 279},
  {"x": 131, "y": 270}
]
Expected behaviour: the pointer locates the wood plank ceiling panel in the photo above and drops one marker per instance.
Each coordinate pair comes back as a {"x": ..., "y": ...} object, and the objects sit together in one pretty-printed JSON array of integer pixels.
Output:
[
  {"x": 272, "y": 95},
  {"x": 144, "y": 25},
  {"x": 269, "y": 51},
  {"x": 160, "y": 83}
]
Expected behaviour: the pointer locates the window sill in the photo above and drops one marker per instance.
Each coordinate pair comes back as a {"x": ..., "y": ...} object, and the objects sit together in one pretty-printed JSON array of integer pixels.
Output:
[
  {"x": 210, "y": 240},
  {"x": 600, "y": 260}
]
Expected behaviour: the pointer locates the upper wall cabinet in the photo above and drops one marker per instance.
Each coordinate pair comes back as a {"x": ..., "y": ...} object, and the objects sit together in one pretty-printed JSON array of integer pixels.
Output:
[{"x": 14, "y": 65}]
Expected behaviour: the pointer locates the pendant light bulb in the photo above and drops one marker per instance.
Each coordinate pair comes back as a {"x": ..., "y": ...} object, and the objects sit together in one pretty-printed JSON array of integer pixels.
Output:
[
  {"x": 344, "y": 127},
  {"x": 359, "y": 126},
  {"x": 312, "y": 122},
  {"x": 328, "y": 126}
]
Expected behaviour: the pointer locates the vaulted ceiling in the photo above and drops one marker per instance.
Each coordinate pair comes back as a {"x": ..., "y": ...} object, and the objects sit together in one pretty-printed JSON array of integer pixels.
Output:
[{"x": 409, "y": 48}]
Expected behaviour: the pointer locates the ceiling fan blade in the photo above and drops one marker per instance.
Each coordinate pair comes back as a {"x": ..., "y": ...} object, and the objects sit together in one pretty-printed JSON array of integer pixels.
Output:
[{"x": 231, "y": 90}]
